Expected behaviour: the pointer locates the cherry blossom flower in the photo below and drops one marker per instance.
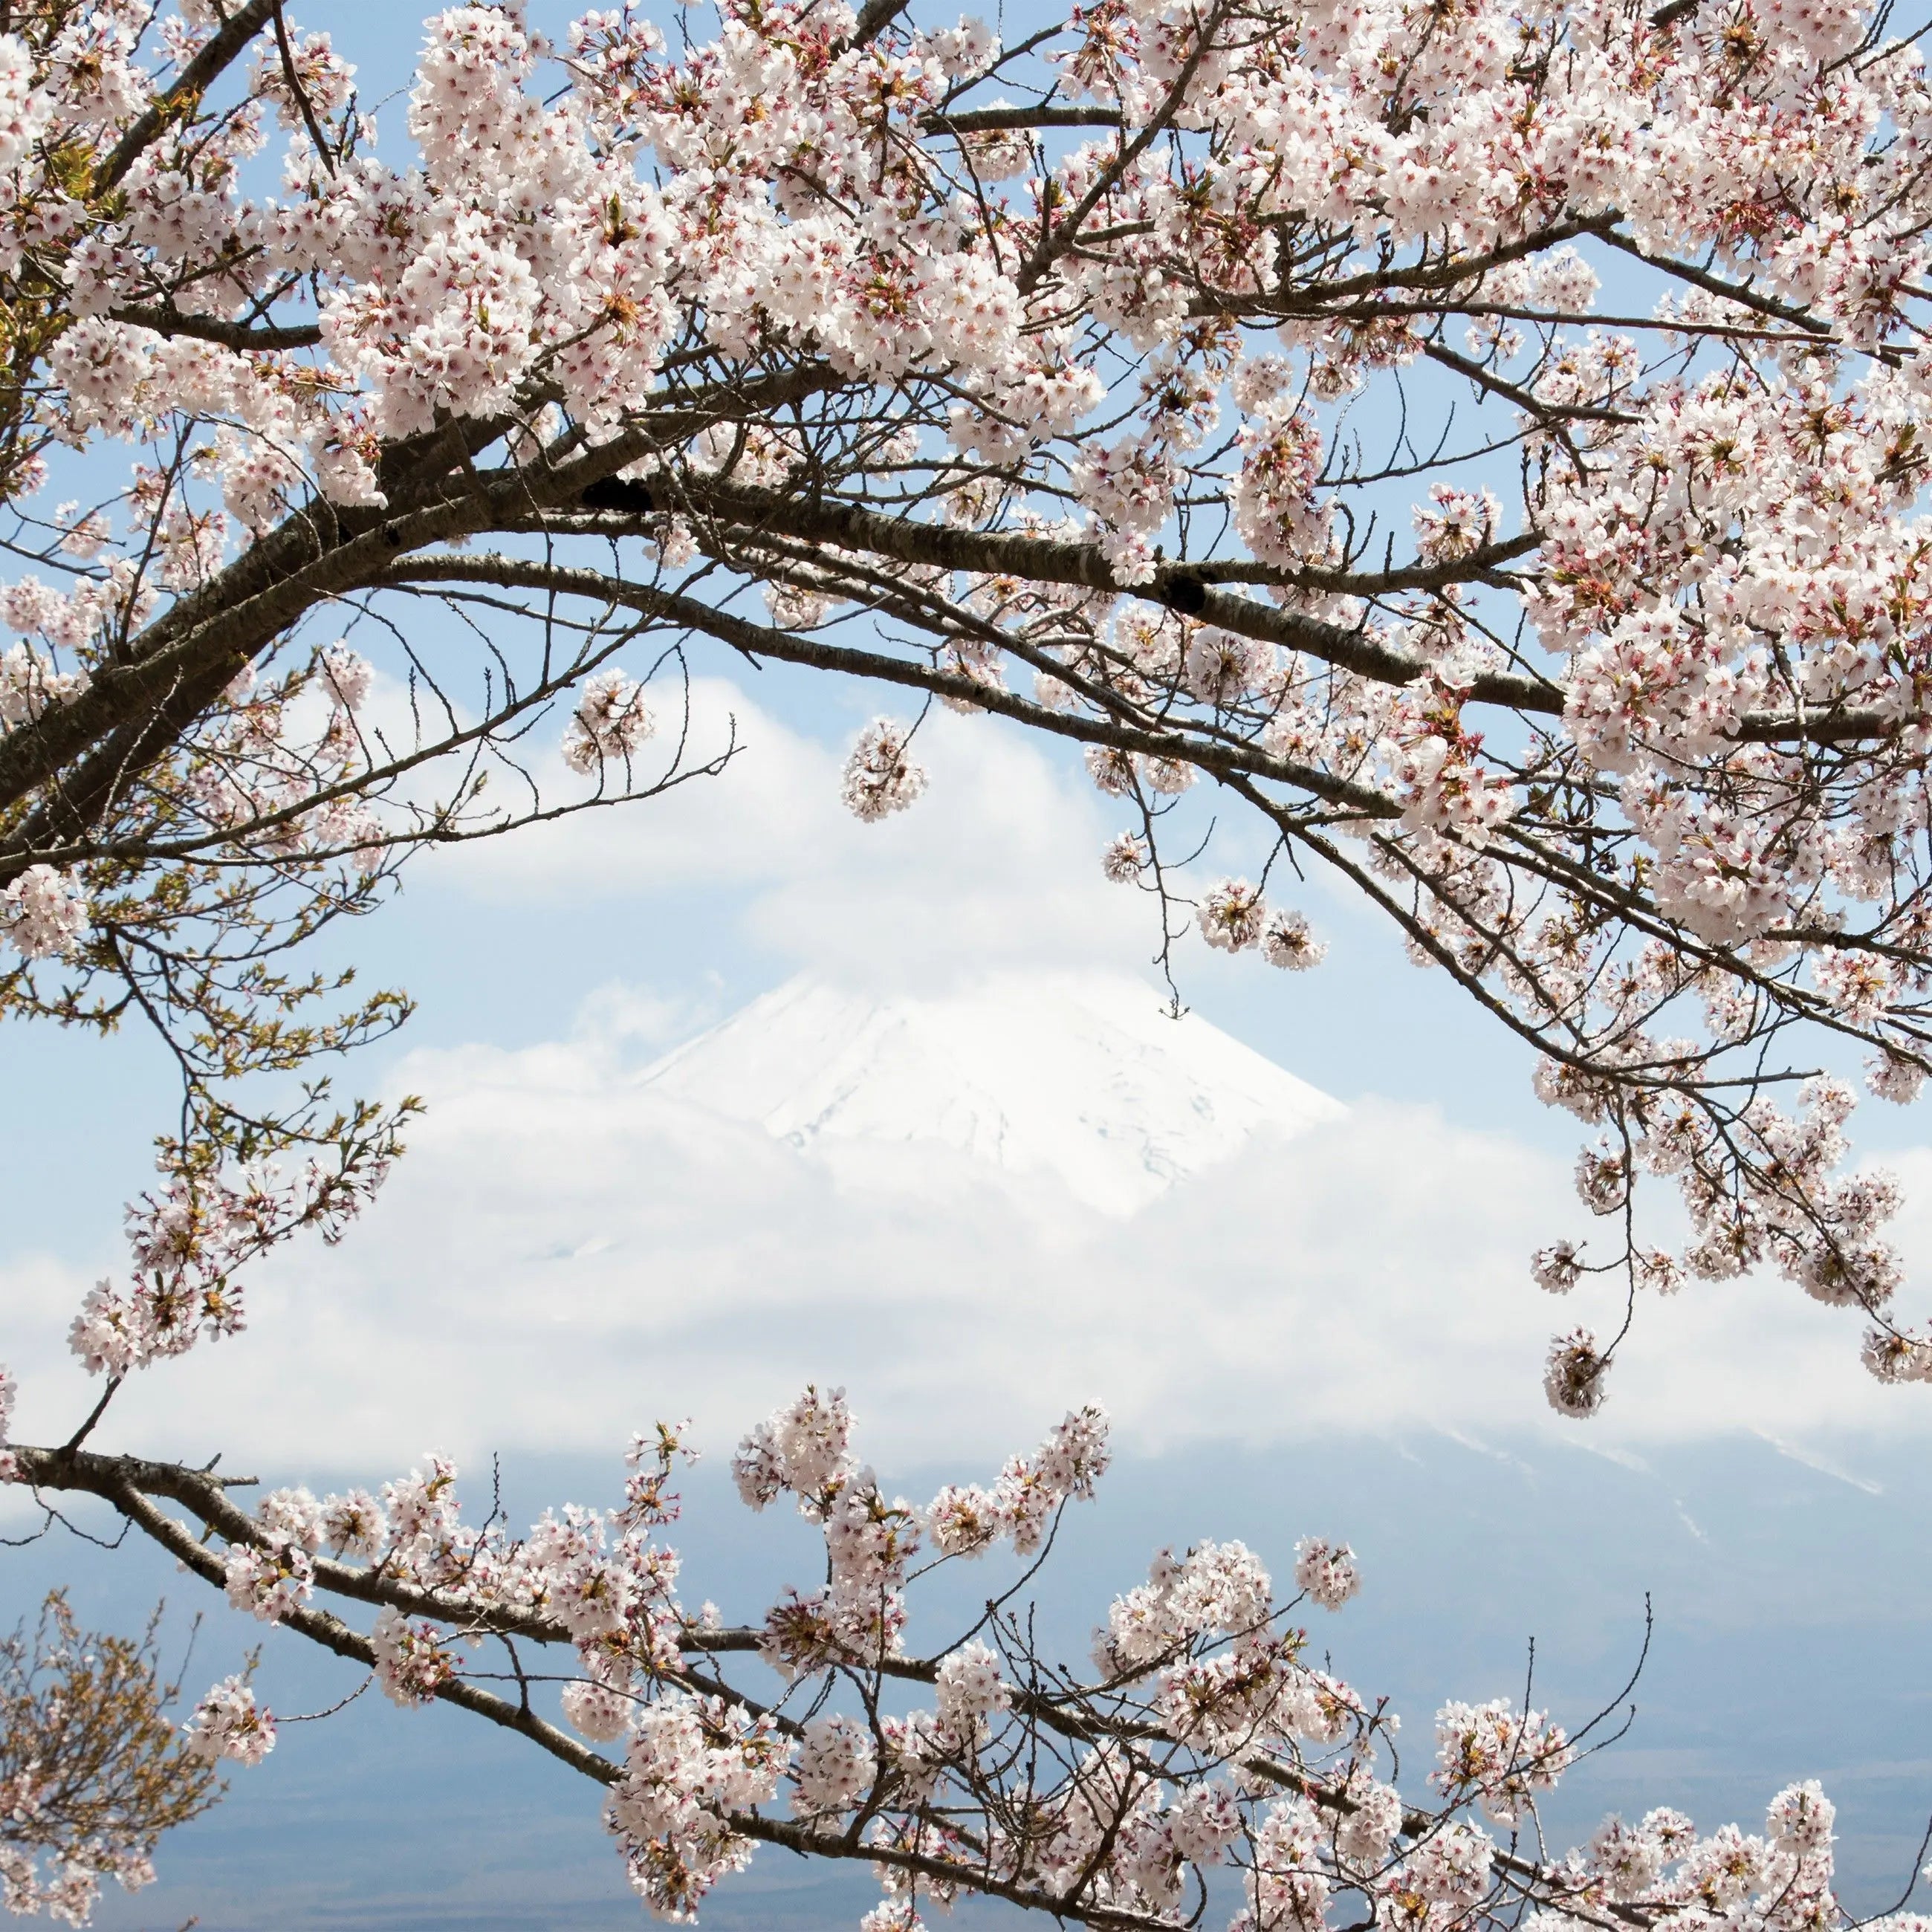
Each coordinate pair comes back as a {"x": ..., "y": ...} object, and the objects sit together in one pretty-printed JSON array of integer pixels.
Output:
[
  {"x": 228, "y": 1723},
  {"x": 880, "y": 778}
]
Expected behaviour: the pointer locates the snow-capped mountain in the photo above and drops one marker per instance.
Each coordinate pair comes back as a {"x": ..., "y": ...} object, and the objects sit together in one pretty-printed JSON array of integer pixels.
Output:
[{"x": 1086, "y": 1081}]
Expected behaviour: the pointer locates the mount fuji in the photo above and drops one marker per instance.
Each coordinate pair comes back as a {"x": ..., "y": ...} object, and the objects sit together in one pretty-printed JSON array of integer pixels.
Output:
[{"x": 1086, "y": 1082}]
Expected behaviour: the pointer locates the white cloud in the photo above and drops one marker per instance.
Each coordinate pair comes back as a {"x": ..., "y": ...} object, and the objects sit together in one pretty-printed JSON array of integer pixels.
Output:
[
  {"x": 756, "y": 818},
  {"x": 615, "y": 1016},
  {"x": 567, "y": 1255},
  {"x": 999, "y": 860}
]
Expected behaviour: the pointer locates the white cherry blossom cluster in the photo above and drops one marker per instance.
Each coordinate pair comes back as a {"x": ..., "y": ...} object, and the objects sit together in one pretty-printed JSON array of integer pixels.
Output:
[
  {"x": 610, "y": 722},
  {"x": 1327, "y": 1571},
  {"x": 68, "y": 1892},
  {"x": 1498, "y": 1756},
  {"x": 188, "y": 1239},
  {"x": 880, "y": 778},
  {"x": 804, "y": 1451},
  {"x": 44, "y": 913},
  {"x": 1234, "y": 915},
  {"x": 229, "y": 1723},
  {"x": 692, "y": 1763},
  {"x": 29, "y": 683},
  {"x": 837, "y": 1765}
]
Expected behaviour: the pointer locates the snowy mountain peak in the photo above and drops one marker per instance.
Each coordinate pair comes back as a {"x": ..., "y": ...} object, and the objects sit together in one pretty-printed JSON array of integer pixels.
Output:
[{"x": 1085, "y": 1082}]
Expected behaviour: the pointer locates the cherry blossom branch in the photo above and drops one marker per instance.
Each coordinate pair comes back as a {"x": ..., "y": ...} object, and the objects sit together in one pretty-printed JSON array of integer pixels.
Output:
[{"x": 1204, "y": 1695}]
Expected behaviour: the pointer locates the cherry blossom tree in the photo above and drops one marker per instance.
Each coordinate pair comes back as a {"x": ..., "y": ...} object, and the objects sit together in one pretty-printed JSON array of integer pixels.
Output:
[
  {"x": 92, "y": 1773},
  {"x": 1479, "y": 446}
]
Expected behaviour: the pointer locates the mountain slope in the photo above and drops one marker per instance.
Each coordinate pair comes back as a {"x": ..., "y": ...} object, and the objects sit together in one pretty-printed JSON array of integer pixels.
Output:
[{"x": 1083, "y": 1081}]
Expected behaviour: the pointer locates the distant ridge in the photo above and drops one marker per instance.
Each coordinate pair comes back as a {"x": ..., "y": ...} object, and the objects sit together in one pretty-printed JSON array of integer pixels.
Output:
[{"x": 1083, "y": 1081}]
